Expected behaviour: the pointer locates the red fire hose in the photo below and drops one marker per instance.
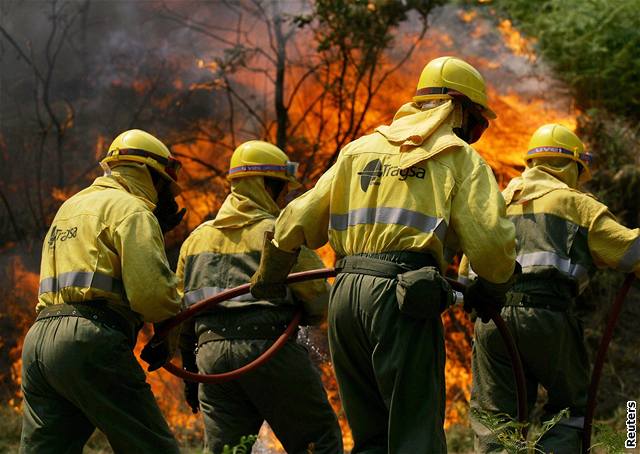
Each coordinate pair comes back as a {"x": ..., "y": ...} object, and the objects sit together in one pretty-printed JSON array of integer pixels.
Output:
[
  {"x": 599, "y": 363},
  {"x": 224, "y": 296},
  {"x": 307, "y": 276}
]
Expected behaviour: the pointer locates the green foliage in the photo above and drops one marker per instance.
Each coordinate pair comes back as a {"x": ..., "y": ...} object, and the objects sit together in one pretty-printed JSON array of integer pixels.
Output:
[
  {"x": 616, "y": 181},
  {"x": 362, "y": 25},
  {"x": 608, "y": 439},
  {"x": 507, "y": 431},
  {"x": 594, "y": 46},
  {"x": 244, "y": 447},
  {"x": 510, "y": 433}
]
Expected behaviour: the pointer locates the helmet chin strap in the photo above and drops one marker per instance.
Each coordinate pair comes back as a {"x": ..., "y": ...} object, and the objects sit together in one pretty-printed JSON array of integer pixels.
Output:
[{"x": 105, "y": 167}]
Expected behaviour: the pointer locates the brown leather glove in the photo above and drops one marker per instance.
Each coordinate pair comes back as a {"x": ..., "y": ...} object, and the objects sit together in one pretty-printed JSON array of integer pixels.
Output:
[{"x": 268, "y": 281}]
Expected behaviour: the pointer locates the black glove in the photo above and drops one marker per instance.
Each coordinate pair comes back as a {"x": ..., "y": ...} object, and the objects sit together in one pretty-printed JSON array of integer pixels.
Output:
[
  {"x": 189, "y": 364},
  {"x": 159, "y": 351},
  {"x": 191, "y": 395},
  {"x": 487, "y": 298},
  {"x": 167, "y": 212}
]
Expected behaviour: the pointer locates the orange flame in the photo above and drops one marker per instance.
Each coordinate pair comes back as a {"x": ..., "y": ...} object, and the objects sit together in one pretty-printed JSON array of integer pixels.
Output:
[{"x": 518, "y": 44}]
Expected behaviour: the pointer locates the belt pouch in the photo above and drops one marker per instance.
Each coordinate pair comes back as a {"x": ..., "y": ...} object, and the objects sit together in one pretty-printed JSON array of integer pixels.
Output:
[{"x": 423, "y": 293}]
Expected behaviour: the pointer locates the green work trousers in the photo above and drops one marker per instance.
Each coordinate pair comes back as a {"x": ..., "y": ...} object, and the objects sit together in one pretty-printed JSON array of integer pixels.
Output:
[
  {"x": 389, "y": 367},
  {"x": 553, "y": 355},
  {"x": 286, "y": 391},
  {"x": 77, "y": 375}
]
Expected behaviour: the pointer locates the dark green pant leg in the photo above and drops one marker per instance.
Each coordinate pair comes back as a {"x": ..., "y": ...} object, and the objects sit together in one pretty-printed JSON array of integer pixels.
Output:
[
  {"x": 410, "y": 371},
  {"x": 92, "y": 367},
  {"x": 351, "y": 349},
  {"x": 286, "y": 392},
  {"x": 50, "y": 423},
  {"x": 228, "y": 412},
  {"x": 553, "y": 354},
  {"x": 295, "y": 403},
  {"x": 493, "y": 387},
  {"x": 390, "y": 368},
  {"x": 565, "y": 377}
]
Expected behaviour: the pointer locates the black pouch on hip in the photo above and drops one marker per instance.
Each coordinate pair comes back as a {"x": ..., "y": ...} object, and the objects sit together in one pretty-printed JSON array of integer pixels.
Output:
[{"x": 423, "y": 293}]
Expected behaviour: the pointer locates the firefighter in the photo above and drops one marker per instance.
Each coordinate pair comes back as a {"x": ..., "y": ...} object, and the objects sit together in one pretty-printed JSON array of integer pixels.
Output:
[
  {"x": 388, "y": 206},
  {"x": 103, "y": 273},
  {"x": 563, "y": 234},
  {"x": 223, "y": 253}
]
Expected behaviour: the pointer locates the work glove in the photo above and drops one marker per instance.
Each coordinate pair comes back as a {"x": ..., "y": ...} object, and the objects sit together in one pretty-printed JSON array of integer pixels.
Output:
[
  {"x": 269, "y": 281},
  {"x": 190, "y": 387},
  {"x": 191, "y": 395},
  {"x": 167, "y": 212},
  {"x": 487, "y": 298},
  {"x": 159, "y": 351}
]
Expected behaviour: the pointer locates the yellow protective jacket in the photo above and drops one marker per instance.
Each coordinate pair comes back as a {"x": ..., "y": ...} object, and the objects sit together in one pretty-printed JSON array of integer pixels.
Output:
[
  {"x": 225, "y": 252},
  {"x": 410, "y": 186},
  {"x": 105, "y": 243},
  {"x": 563, "y": 233}
]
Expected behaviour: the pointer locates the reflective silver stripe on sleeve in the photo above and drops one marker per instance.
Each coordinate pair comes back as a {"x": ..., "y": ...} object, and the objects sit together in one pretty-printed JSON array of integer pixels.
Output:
[
  {"x": 386, "y": 215},
  {"x": 192, "y": 297},
  {"x": 83, "y": 279},
  {"x": 631, "y": 257},
  {"x": 545, "y": 258}
]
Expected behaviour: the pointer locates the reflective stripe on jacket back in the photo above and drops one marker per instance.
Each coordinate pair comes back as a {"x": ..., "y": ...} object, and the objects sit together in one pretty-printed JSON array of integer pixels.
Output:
[{"x": 553, "y": 237}]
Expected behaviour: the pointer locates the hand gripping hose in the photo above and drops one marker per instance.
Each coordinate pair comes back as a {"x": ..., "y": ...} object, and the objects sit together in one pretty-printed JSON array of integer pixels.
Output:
[
  {"x": 599, "y": 363},
  {"x": 224, "y": 296},
  {"x": 307, "y": 276}
]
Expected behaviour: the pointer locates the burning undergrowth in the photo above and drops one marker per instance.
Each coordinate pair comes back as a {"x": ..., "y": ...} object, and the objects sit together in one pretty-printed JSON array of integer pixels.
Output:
[{"x": 206, "y": 92}]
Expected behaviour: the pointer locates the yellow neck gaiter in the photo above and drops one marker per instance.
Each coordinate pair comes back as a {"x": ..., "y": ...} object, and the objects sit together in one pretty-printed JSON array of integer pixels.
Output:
[{"x": 248, "y": 202}]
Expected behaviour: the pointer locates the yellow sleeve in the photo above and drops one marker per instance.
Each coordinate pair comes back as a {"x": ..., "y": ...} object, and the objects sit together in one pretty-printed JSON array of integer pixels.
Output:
[
  {"x": 149, "y": 283},
  {"x": 180, "y": 269},
  {"x": 613, "y": 245},
  {"x": 305, "y": 221},
  {"x": 465, "y": 273},
  {"x": 478, "y": 217}
]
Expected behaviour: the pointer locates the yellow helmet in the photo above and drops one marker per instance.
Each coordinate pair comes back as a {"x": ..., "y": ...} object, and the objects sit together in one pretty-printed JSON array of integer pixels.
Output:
[
  {"x": 140, "y": 146},
  {"x": 554, "y": 140},
  {"x": 256, "y": 157},
  {"x": 448, "y": 77}
]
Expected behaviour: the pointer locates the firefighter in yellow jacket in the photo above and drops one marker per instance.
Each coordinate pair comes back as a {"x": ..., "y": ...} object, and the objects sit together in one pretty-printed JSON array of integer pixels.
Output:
[
  {"x": 223, "y": 253},
  {"x": 388, "y": 206},
  {"x": 563, "y": 234},
  {"x": 103, "y": 273}
]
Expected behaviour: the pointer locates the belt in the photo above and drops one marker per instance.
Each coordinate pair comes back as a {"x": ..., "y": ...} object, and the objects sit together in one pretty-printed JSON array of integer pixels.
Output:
[
  {"x": 92, "y": 310},
  {"x": 539, "y": 302},
  {"x": 372, "y": 266},
  {"x": 250, "y": 332}
]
